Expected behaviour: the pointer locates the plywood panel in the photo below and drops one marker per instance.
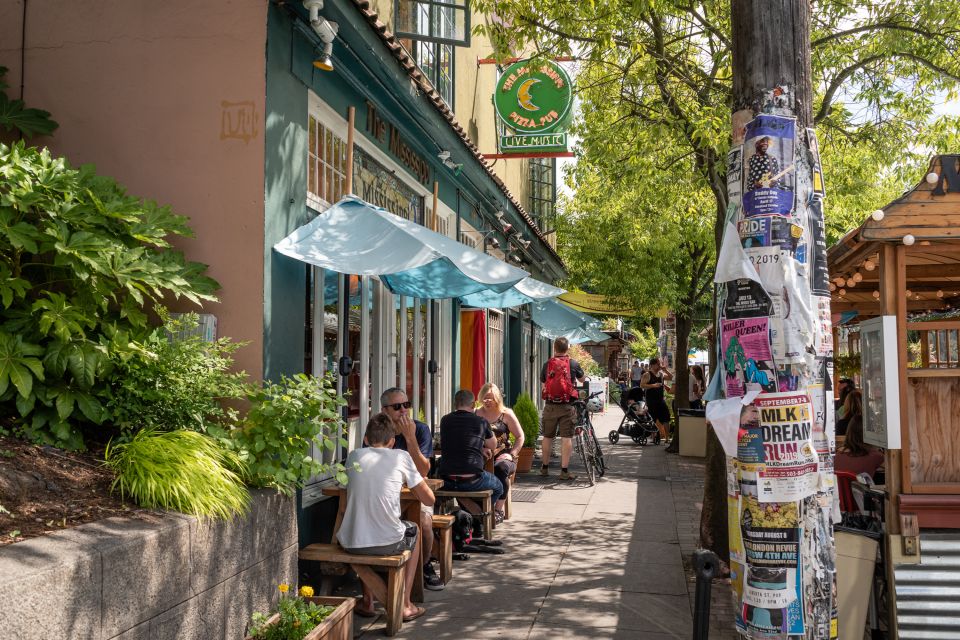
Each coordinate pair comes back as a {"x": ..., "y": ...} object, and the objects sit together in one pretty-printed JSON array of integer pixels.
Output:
[{"x": 933, "y": 406}]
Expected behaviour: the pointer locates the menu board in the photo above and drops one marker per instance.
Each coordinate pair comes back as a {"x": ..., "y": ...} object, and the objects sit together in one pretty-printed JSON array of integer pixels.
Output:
[{"x": 881, "y": 381}]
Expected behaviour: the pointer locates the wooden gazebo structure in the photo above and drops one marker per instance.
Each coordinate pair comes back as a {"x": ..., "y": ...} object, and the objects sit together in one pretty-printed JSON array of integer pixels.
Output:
[{"x": 908, "y": 264}]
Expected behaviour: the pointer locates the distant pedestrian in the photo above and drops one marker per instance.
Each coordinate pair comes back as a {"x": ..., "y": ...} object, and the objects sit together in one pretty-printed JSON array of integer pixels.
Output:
[
  {"x": 698, "y": 386},
  {"x": 559, "y": 376},
  {"x": 636, "y": 372}
]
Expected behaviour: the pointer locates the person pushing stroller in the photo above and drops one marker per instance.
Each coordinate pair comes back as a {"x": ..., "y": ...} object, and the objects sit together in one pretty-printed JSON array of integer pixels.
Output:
[{"x": 654, "y": 387}]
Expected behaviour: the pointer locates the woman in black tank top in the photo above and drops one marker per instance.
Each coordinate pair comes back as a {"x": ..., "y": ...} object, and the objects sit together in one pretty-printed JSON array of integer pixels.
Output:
[
  {"x": 503, "y": 423},
  {"x": 654, "y": 388}
]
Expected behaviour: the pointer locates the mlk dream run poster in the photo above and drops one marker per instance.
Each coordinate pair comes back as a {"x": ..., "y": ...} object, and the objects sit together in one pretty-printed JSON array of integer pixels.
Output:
[{"x": 768, "y": 166}]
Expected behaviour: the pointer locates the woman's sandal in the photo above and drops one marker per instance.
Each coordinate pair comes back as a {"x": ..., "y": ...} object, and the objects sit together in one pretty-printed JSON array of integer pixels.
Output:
[
  {"x": 498, "y": 517},
  {"x": 413, "y": 616}
]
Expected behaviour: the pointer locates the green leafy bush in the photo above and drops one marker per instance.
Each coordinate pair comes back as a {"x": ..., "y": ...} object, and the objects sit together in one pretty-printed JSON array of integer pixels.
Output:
[
  {"x": 79, "y": 261},
  {"x": 529, "y": 418},
  {"x": 284, "y": 421},
  {"x": 180, "y": 470},
  {"x": 585, "y": 360},
  {"x": 177, "y": 380}
]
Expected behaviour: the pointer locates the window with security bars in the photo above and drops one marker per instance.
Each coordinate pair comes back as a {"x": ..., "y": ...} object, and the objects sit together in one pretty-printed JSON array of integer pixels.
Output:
[
  {"x": 543, "y": 191},
  {"x": 326, "y": 164}
]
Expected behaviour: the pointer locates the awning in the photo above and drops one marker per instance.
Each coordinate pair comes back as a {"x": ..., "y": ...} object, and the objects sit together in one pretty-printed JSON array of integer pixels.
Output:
[
  {"x": 556, "y": 320},
  {"x": 525, "y": 291},
  {"x": 356, "y": 237}
]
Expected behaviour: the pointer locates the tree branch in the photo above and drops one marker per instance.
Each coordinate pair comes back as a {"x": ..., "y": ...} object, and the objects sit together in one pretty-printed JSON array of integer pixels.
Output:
[
  {"x": 878, "y": 26},
  {"x": 838, "y": 81}
]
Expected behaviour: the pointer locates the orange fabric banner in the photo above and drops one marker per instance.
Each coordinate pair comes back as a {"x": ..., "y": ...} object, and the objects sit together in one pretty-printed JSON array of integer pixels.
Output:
[{"x": 473, "y": 349}]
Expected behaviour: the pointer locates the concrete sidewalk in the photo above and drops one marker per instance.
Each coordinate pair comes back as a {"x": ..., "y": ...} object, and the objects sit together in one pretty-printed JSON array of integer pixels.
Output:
[{"x": 580, "y": 562}]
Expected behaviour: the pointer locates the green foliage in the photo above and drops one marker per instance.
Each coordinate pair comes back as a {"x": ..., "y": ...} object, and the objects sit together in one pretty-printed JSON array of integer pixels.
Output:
[
  {"x": 284, "y": 421},
  {"x": 846, "y": 365},
  {"x": 16, "y": 116},
  {"x": 529, "y": 418},
  {"x": 79, "y": 261},
  {"x": 176, "y": 380},
  {"x": 644, "y": 347},
  {"x": 586, "y": 361},
  {"x": 613, "y": 392},
  {"x": 184, "y": 471},
  {"x": 297, "y": 618}
]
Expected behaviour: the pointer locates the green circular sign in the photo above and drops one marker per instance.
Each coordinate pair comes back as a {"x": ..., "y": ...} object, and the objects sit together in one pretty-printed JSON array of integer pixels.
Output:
[{"x": 534, "y": 96}]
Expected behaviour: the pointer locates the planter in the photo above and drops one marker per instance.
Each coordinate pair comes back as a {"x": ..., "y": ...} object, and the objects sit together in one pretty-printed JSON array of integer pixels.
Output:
[
  {"x": 525, "y": 460},
  {"x": 337, "y": 626}
]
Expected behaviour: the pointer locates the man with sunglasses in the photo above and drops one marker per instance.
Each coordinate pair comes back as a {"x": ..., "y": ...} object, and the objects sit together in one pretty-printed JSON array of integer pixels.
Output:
[{"x": 413, "y": 437}]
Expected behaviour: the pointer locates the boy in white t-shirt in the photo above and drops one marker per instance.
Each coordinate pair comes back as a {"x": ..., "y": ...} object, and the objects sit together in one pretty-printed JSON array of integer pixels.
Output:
[{"x": 371, "y": 522}]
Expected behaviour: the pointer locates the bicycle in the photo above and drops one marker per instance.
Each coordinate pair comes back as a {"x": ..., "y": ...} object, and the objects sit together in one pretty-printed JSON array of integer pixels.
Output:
[{"x": 586, "y": 443}]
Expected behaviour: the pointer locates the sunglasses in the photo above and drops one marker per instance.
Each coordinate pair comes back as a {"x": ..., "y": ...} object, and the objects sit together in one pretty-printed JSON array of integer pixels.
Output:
[{"x": 396, "y": 406}]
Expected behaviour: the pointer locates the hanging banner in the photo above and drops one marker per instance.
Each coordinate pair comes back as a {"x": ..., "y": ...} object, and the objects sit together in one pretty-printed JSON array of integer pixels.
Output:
[{"x": 768, "y": 166}]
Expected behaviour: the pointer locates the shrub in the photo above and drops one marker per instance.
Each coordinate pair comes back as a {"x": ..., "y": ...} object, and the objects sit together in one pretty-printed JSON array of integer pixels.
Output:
[
  {"x": 176, "y": 381},
  {"x": 284, "y": 421},
  {"x": 296, "y": 617},
  {"x": 179, "y": 470},
  {"x": 79, "y": 261},
  {"x": 586, "y": 361},
  {"x": 529, "y": 418}
]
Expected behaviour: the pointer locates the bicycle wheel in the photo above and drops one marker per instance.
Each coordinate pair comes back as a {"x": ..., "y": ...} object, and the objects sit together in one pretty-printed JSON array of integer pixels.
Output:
[
  {"x": 580, "y": 444},
  {"x": 597, "y": 452}
]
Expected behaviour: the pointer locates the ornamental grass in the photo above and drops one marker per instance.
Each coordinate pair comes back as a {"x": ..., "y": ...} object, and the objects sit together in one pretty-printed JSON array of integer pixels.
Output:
[{"x": 179, "y": 470}]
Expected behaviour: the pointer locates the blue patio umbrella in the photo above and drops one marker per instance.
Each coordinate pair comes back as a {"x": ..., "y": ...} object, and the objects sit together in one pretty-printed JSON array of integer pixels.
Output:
[{"x": 356, "y": 237}]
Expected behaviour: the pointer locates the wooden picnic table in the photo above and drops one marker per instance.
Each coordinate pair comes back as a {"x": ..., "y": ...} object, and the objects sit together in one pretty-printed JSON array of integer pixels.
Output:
[{"x": 409, "y": 510}]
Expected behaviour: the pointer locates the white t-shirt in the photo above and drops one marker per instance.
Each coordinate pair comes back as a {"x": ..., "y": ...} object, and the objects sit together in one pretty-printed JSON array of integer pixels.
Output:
[
  {"x": 372, "y": 517},
  {"x": 636, "y": 372}
]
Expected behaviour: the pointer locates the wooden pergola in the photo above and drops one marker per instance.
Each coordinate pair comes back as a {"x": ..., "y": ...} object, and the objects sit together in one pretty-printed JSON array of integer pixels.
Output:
[{"x": 907, "y": 264}]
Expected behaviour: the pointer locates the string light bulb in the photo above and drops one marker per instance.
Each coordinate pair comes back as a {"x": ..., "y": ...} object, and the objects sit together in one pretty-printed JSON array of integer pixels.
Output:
[
  {"x": 909, "y": 239},
  {"x": 932, "y": 178},
  {"x": 843, "y": 292},
  {"x": 832, "y": 287},
  {"x": 878, "y": 215},
  {"x": 839, "y": 281},
  {"x": 876, "y": 294},
  {"x": 939, "y": 293},
  {"x": 909, "y": 293},
  {"x": 857, "y": 277},
  {"x": 868, "y": 265},
  {"x": 851, "y": 282}
]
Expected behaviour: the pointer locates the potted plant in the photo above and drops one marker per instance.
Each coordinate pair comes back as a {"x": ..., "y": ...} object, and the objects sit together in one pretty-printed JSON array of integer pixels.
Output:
[
  {"x": 305, "y": 617},
  {"x": 529, "y": 418}
]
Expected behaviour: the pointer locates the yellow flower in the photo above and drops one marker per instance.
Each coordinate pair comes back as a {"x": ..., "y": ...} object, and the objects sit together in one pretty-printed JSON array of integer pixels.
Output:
[
  {"x": 283, "y": 588},
  {"x": 306, "y": 591}
]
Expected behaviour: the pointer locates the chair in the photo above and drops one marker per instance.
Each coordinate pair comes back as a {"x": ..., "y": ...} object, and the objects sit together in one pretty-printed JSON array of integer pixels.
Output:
[{"x": 845, "y": 491}]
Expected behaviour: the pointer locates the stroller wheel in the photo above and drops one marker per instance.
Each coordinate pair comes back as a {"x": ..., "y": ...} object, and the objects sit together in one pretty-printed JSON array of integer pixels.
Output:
[
  {"x": 641, "y": 440},
  {"x": 614, "y": 437}
]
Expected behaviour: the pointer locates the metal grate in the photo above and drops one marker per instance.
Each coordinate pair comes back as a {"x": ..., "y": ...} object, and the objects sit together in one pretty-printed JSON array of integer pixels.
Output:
[
  {"x": 928, "y": 593},
  {"x": 525, "y": 495}
]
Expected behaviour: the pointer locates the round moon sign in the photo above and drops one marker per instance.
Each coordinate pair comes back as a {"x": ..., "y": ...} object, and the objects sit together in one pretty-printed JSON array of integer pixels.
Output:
[{"x": 534, "y": 96}]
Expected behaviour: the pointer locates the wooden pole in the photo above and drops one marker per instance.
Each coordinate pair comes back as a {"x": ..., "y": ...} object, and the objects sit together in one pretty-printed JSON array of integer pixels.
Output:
[
  {"x": 773, "y": 337},
  {"x": 348, "y": 182},
  {"x": 436, "y": 201}
]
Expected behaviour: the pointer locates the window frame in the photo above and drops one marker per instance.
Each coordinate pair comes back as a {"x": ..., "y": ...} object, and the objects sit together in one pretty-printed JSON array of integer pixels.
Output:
[
  {"x": 456, "y": 5},
  {"x": 434, "y": 78},
  {"x": 537, "y": 169}
]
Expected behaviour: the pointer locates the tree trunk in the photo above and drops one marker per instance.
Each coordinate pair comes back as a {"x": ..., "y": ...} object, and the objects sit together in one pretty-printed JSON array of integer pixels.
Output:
[
  {"x": 772, "y": 342},
  {"x": 681, "y": 376}
]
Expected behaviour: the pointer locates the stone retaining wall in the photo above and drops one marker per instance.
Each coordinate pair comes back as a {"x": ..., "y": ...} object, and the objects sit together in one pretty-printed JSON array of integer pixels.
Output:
[{"x": 172, "y": 577}]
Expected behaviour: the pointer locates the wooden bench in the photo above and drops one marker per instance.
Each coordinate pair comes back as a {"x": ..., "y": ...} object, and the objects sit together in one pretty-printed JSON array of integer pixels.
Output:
[
  {"x": 443, "y": 526},
  {"x": 483, "y": 500},
  {"x": 390, "y": 593}
]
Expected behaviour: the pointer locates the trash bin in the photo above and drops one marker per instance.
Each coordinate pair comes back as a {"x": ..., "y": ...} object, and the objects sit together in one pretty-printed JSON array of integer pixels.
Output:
[
  {"x": 692, "y": 425},
  {"x": 856, "y": 559}
]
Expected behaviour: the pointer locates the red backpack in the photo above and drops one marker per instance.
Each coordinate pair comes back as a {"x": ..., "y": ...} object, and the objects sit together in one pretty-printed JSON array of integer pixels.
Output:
[{"x": 558, "y": 387}]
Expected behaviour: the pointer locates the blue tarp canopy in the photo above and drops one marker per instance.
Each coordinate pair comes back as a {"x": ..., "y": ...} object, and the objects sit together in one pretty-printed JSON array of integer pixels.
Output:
[
  {"x": 356, "y": 237},
  {"x": 556, "y": 320},
  {"x": 525, "y": 291}
]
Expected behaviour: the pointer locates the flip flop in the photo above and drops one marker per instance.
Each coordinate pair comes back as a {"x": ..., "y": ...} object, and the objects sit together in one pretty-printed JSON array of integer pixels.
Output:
[
  {"x": 413, "y": 616},
  {"x": 363, "y": 613}
]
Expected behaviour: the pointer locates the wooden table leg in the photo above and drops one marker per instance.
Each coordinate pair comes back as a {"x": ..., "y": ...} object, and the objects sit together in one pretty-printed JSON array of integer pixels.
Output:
[{"x": 412, "y": 514}]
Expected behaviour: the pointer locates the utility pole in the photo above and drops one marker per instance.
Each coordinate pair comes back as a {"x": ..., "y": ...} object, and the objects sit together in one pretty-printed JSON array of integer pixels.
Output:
[{"x": 775, "y": 334}]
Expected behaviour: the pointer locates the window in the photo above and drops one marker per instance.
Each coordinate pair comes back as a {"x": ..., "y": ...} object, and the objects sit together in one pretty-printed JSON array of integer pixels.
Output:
[
  {"x": 436, "y": 62},
  {"x": 543, "y": 192},
  {"x": 438, "y": 21},
  {"x": 326, "y": 164}
]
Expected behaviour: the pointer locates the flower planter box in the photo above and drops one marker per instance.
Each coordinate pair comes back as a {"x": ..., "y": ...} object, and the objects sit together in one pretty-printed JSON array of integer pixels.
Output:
[
  {"x": 337, "y": 626},
  {"x": 525, "y": 460}
]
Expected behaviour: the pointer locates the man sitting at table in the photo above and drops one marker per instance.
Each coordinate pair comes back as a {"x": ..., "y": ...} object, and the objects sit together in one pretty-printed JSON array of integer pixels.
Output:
[
  {"x": 371, "y": 522},
  {"x": 467, "y": 441},
  {"x": 414, "y": 437}
]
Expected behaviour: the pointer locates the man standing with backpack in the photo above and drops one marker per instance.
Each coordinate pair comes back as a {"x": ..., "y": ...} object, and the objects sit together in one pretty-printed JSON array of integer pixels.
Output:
[{"x": 559, "y": 375}]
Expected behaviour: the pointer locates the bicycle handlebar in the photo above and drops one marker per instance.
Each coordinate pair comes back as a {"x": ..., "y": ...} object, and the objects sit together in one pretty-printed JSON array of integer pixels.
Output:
[{"x": 589, "y": 397}]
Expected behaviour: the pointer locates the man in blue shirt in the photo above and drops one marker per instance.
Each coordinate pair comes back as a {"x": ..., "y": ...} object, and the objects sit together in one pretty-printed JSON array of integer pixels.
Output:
[{"x": 413, "y": 437}]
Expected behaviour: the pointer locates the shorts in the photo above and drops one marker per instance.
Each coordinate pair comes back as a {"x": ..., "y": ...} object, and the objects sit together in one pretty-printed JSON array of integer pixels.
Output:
[
  {"x": 659, "y": 412},
  {"x": 558, "y": 419},
  {"x": 407, "y": 543}
]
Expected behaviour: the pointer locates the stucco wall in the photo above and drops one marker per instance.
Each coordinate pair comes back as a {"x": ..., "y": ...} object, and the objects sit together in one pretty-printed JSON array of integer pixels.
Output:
[
  {"x": 168, "y": 98},
  {"x": 171, "y": 577}
]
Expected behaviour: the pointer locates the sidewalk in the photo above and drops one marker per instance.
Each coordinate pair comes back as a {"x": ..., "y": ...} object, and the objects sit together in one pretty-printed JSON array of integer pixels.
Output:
[{"x": 583, "y": 562}]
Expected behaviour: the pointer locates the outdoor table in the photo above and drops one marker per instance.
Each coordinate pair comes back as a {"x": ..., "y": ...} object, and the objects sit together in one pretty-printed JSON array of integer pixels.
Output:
[{"x": 409, "y": 509}]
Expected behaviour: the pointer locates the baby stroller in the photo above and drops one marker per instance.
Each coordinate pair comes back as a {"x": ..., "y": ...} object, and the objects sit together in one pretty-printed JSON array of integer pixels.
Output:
[{"x": 637, "y": 422}]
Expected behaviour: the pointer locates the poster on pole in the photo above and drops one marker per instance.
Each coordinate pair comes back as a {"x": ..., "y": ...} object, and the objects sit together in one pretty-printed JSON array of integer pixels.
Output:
[
  {"x": 747, "y": 359},
  {"x": 769, "y": 166},
  {"x": 735, "y": 173},
  {"x": 816, "y": 167},
  {"x": 790, "y": 468}
]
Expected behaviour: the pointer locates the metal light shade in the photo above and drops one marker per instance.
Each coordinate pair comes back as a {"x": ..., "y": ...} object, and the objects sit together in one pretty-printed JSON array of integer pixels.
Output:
[{"x": 324, "y": 62}]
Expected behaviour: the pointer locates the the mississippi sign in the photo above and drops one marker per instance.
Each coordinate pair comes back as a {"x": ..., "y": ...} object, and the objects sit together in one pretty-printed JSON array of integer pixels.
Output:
[{"x": 534, "y": 97}]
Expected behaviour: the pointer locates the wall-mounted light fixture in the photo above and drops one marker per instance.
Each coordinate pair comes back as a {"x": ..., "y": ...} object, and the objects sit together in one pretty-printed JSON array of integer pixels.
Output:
[
  {"x": 523, "y": 243},
  {"x": 326, "y": 29},
  {"x": 444, "y": 156}
]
